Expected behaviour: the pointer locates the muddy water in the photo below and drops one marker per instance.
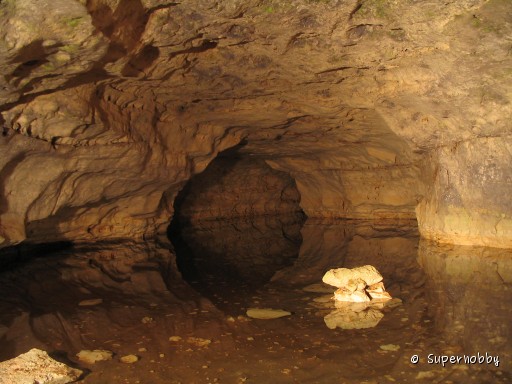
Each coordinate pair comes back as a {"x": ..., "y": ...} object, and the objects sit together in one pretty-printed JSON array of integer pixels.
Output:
[{"x": 455, "y": 301}]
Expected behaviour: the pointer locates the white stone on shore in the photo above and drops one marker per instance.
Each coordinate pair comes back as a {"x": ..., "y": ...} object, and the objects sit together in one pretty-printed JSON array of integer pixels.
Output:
[
  {"x": 36, "y": 366},
  {"x": 266, "y": 313}
]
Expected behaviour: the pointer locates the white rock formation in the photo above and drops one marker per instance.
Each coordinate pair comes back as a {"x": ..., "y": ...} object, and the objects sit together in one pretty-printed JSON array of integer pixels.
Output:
[
  {"x": 36, "y": 366},
  {"x": 351, "y": 278},
  {"x": 357, "y": 285},
  {"x": 357, "y": 300}
]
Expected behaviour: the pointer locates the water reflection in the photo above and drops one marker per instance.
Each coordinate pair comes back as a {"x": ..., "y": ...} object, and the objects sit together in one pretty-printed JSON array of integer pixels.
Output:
[
  {"x": 40, "y": 306},
  {"x": 470, "y": 295},
  {"x": 227, "y": 260}
]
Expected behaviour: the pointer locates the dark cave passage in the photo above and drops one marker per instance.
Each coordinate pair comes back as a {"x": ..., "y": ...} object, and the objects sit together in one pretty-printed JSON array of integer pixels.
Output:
[{"x": 235, "y": 225}]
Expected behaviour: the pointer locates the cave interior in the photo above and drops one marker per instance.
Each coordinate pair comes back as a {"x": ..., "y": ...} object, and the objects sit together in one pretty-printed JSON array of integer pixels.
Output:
[{"x": 166, "y": 166}]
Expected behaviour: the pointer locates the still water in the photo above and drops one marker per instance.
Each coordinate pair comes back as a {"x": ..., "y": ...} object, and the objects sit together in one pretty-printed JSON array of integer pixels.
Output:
[{"x": 456, "y": 301}]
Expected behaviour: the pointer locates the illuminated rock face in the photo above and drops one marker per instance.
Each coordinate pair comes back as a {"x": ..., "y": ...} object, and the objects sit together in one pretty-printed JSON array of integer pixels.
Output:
[{"x": 375, "y": 110}]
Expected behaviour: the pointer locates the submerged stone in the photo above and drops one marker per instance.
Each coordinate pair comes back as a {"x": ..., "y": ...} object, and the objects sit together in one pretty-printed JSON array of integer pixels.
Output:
[
  {"x": 90, "y": 302},
  {"x": 91, "y": 357},
  {"x": 267, "y": 313},
  {"x": 390, "y": 347},
  {"x": 129, "y": 359},
  {"x": 199, "y": 342}
]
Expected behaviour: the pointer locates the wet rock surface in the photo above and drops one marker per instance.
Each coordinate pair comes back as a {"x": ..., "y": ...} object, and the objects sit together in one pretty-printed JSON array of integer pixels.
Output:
[{"x": 197, "y": 340}]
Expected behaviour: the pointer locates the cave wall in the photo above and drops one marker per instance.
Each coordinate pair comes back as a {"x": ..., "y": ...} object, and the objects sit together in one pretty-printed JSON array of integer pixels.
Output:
[
  {"x": 469, "y": 201},
  {"x": 109, "y": 107}
]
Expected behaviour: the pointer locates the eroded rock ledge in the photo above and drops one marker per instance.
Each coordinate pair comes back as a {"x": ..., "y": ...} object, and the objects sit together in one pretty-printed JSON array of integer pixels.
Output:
[{"x": 376, "y": 109}]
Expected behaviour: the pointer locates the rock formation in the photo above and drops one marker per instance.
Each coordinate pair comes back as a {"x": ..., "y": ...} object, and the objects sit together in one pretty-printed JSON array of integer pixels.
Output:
[
  {"x": 359, "y": 297},
  {"x": 357, "y": 285},
  {"x": 348, "y": 278},
  {"x": 35, "y": 366},
  {"x": 376, "y": 109}
]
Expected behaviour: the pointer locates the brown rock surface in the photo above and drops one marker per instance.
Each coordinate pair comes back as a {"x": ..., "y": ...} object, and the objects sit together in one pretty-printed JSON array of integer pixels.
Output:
[{"x": 374, "y": 108}]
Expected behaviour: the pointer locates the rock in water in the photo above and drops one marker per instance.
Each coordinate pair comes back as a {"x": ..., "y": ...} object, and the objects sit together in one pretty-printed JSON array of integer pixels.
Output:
[
  {"x": 90, "y": 357},
  {"x": 266, "y": 313},
  {"x": 378, "y": 292},
  {"x": 36, "y": 366},
  {"x": 341, "y": 277}
]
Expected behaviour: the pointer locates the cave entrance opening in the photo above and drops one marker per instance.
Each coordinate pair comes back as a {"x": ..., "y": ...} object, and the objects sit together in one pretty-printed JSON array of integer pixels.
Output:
[{"x": 235, "y": 225}]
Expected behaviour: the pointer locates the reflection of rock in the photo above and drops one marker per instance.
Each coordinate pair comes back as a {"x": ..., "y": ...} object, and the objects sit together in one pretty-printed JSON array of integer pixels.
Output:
[
  {"x": 36, "y": 366},
  {"x": 345, "y": 277},
  {"x": 468, "y": 289},
  {"x": 353, "y": 315},
  {"x": 348, "y": 319}
]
